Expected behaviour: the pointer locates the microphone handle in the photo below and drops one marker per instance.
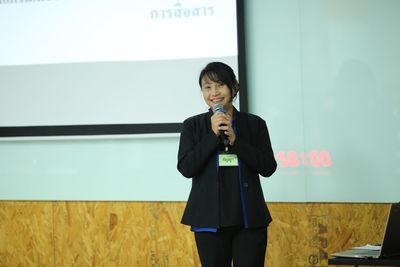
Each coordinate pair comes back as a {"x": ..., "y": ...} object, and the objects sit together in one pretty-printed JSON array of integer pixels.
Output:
[{"x": 224, "y": 138}]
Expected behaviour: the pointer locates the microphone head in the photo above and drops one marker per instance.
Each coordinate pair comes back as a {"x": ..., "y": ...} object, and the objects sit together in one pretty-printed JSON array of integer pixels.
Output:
[{"x": 218, "y": 107}]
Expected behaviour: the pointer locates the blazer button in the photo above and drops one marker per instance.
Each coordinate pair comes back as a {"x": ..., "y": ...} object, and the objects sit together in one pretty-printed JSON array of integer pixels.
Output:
[{"x": 245, "y": 184}]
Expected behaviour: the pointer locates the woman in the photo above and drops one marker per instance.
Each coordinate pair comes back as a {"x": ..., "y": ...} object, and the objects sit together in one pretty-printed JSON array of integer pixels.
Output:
[{"x": 224, "y": 151}]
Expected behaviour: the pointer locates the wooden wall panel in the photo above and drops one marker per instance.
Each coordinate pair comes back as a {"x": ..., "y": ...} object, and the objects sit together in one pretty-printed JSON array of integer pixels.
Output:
[
  {"x": 121, "y": 234},
  {"x": 26, "y": 237},
  {"x": 150, "y": 233},
  {"x": 287, "y": 235},
  {"x": 305, "y": 234}
]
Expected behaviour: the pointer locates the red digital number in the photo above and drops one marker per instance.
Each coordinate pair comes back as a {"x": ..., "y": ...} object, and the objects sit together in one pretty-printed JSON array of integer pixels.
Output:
[{"x": 315, "y": 158}]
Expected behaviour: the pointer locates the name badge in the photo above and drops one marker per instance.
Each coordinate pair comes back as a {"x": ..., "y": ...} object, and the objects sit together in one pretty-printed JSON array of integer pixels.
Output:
[{"x": 227, "y": 160}]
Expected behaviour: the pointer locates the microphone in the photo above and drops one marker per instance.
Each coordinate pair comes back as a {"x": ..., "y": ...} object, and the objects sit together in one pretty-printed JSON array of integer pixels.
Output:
[{"x": 218, "y": 107}]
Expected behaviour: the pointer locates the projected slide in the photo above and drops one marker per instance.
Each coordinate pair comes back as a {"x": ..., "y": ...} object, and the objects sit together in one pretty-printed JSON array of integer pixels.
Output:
[{"x": 109, "y": 62}]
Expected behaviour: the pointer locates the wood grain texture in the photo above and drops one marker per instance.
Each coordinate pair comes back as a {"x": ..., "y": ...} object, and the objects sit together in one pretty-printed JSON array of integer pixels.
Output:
[
  {"x": 26, "y": 234},
  {"x": 150, "y": 233}
]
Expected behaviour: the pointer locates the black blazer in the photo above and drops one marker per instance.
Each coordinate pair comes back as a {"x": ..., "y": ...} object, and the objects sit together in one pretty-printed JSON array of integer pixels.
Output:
[{"x": 197, "y": 160}]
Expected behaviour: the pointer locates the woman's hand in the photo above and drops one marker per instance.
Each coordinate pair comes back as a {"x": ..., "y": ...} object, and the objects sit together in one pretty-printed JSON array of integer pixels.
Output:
[{"x": 221, "y": 122}]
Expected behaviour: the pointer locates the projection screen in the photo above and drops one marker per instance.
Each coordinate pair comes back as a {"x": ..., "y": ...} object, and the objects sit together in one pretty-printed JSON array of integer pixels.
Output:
[{"x": 111, "y": 67}]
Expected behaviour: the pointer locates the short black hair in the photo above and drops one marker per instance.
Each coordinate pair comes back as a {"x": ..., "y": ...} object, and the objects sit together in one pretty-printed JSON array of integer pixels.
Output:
[{"x": 221, "y": 73}]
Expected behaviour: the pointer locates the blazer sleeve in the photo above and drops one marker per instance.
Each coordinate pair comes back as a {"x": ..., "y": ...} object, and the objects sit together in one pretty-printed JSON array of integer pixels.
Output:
[
  {"x": 195, "y": 148},
  {"x": 257, "y": 154}
]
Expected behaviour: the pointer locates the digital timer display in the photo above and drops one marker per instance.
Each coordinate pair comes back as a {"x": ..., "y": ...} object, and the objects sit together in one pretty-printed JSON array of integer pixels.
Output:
[{"x": 314, "y": 158}]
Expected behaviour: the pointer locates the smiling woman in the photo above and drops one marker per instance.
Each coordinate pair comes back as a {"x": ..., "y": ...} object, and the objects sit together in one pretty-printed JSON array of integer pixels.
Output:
[
  {"x": 224, "y": 151},
  {"x": 83, "y": 74}
]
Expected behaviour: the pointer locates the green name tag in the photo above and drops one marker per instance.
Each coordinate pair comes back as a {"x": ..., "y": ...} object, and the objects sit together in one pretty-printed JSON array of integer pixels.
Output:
[{"x": 226, "y": 160}]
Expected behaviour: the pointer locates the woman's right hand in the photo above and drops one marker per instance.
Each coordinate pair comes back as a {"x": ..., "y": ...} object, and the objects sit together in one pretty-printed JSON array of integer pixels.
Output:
[{"x": 218, "y": 119}]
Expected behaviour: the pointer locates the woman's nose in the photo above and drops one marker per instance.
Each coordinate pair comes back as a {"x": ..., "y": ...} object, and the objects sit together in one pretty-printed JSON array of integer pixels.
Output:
[{"x": 214, "y": 90}]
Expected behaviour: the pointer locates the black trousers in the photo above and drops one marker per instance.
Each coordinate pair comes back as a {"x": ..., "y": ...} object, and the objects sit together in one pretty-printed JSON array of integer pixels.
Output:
[{"x": 246, "y": 247}]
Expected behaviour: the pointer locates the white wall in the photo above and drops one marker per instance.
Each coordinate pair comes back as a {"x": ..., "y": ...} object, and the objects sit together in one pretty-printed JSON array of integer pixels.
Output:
[{"x": 323, "y": 74}]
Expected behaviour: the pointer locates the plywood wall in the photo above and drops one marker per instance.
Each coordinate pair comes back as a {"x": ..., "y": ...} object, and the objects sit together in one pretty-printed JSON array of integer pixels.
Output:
[{"x": 149, "y": 233}]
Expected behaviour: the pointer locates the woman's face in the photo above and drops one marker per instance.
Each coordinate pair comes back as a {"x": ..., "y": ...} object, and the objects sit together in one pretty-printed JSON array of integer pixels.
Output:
[{"x": 214, "y": 92}]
